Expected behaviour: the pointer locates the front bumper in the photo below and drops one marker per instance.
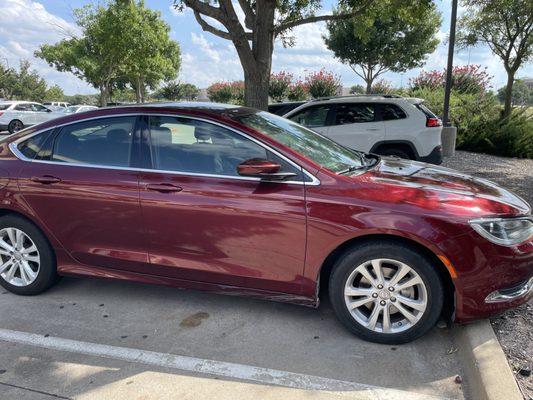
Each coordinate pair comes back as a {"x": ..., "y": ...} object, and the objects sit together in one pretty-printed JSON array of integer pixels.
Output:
[
  {"x": 522, "y": 290},
  {"x": 489, "y": 278}
]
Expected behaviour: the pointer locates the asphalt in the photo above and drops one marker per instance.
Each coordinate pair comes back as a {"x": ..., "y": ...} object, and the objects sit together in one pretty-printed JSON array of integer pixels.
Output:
[{"x": 170, "y": 322}]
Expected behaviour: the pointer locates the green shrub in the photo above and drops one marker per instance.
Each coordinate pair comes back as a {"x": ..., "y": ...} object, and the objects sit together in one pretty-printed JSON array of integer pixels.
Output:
[
  {"x": 220, "y": 92},
  {"x": 298, "y": 92},
  {"x": 480, "y": 127}
]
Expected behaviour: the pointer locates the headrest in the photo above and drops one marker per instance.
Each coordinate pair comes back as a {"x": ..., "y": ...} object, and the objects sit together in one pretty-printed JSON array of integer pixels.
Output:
[{"x": 201, "y": 133}]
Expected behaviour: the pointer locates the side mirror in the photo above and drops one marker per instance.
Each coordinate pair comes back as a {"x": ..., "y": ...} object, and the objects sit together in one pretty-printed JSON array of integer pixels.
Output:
[{"x": 264, "y": 169}]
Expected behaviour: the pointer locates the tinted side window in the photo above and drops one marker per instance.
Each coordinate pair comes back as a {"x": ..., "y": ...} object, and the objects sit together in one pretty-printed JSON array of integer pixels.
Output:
[
  {"x": 392, "y": 111},
  {"x": 32, "y": 146},
  {"x": 313, "y": 116},
  {"x": 24, "y": 107},
  {"x": 39, "y": 108},
  {"x": 185, "y": 145},
  {"x": 105, "y": 142},
  {"x": 354, "y": 113}
]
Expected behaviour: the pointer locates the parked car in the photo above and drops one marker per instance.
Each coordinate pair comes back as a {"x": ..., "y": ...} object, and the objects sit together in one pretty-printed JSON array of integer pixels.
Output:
[
  {"x": 234, "y": 200},
  {"x": 16, "y": 115},
  {"x": 284, "y": 108},
  {"x": 55, "y": 105},
  {"x": 76, "y": 109},
  {"x": 387, "y": 125}
]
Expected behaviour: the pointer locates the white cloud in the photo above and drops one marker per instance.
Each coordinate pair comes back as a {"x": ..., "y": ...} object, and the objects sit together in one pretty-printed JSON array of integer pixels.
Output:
[{"x": 24, "y": 26}]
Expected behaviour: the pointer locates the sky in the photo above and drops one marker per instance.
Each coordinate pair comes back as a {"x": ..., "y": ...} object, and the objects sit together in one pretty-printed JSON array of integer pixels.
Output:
[{"x": 26, "y": 24}]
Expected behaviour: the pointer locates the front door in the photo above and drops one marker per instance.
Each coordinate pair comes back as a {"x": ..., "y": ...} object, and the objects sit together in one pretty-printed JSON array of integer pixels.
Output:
[
  {"x": 206, "y": 223},
  {"x": 81, "y": 187}
]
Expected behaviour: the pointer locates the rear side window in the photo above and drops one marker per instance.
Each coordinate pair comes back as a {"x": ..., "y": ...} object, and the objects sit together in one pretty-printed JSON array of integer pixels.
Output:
[
  {"x": 103, "y": 142},
  {"x": 392, "y": 111},
  {"x": 354, "y": 113},
  {"x": 24, "y": 107},
  {"x": 427, "y": 112},
  {"x": 4, "y": 106},
  {"x": 34, "y": 145},
  {"x": 312, "y": 117}
]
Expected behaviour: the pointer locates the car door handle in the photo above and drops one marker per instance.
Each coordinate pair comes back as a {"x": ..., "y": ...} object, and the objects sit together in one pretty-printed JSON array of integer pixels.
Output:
[
  {"x": 372, "y": 129},
  {"x": 163, "y": 187},
  {"x": 45, "y": 179}
]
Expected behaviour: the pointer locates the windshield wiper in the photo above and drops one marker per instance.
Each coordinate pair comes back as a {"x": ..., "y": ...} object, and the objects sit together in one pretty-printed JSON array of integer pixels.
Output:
[{"x": 366, "y": 163}]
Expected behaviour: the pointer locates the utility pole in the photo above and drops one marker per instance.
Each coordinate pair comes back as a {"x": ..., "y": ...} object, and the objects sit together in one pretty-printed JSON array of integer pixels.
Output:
[
  {"x": 451, "y": 46},
  {"x": 449, "y": 133}
]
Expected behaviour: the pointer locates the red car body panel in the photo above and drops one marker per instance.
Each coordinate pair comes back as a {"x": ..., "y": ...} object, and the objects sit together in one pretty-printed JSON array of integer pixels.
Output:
[{"x": 268, "y": 240}]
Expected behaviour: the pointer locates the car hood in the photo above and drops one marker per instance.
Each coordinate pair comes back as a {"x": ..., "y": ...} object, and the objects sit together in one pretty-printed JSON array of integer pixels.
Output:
[{"x": 439, "y": 188}]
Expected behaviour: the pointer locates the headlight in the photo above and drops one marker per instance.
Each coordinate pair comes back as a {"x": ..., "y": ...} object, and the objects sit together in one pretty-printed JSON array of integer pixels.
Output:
[{"x": 504, "y": 231}]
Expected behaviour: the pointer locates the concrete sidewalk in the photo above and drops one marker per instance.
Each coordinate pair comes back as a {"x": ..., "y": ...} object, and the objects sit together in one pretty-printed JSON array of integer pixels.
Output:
[{"x": 282, "y": 338}]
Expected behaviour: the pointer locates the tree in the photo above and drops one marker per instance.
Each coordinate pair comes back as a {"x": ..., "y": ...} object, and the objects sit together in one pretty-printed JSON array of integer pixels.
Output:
[
  {"x": 29, "y": 84},
  {"x": 123, "y": 43},
  {"x": 178, "y": 91},
  {"x": 54, "y": 93},
  {"x": 396, "y": 41},
  {"x": 264, "y": 21},
  {"x": 150, "y": 56},
  {"x": 505, "y": 27},
  {"x": 8, "y": 81},
  {"x": 522, "y": 94}
]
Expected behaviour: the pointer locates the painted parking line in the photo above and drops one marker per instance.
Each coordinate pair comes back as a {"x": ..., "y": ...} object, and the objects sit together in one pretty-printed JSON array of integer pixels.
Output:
[{"x": 209, "y": 367}]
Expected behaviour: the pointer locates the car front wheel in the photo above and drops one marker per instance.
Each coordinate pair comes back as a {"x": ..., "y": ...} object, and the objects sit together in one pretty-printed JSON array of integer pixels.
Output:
[
  {"x": 386, "y": 293},
  {"x": 15, "y": 126}
]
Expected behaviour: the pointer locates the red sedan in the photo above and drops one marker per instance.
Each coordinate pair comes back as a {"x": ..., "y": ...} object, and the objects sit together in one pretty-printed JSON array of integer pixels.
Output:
[{"x": 234, "y": 200}]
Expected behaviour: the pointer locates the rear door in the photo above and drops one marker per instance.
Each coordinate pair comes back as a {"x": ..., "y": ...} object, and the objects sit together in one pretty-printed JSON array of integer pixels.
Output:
[
  {"x": 206, "y": 223},
  {"x": 24, "y": 113},
  {"x": 82, "y": 188},
  {"x": 316, "y": 117},
  {"x": 357, "y": 125}
]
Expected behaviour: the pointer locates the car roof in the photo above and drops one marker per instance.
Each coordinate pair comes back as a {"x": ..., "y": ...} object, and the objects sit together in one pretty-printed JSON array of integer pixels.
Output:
[
  {"x": 207, "y": 108},
  {"x": 16, "y": 102}
]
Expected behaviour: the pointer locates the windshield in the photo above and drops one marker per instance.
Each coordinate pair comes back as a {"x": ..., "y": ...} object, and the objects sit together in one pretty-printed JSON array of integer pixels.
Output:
[{"x": 312, "y": 145}]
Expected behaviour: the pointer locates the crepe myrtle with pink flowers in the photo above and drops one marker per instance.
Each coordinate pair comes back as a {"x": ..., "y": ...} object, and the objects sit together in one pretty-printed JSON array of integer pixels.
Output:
[{"x": 471, "y": 79}]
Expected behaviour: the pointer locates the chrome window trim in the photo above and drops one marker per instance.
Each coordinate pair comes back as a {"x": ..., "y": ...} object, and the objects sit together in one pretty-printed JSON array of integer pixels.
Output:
[{"x": 13, "y": 146}]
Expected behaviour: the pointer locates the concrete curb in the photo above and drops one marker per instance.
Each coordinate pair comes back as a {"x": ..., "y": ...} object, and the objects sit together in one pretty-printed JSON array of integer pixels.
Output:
[{"x": 486, "y": 368}]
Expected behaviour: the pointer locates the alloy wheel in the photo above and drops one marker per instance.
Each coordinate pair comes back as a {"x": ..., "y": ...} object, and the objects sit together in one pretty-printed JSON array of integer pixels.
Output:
[
  {"x": 20, "y": 259},
  {"x": 385, "y": 296}
]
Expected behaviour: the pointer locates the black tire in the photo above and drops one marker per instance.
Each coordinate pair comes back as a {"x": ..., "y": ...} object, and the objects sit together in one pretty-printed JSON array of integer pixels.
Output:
[
  {"x": 395, "y": 152},
  {"x": 15, "y": 126},
  {"x": 360, "y": 254},
  {"x": 47, "y": 274}
]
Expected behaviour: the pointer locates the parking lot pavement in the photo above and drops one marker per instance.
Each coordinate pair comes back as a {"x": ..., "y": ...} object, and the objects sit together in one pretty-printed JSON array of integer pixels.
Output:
[{"x": 144, "y": 338}]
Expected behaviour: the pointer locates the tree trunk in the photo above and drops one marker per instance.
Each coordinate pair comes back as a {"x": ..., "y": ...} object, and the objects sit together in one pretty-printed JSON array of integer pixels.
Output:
[
  {"x": 104, "y": 94},
  {"x": 368, "y": 86},
  {"x": 258, "y": 65},
  {"x": 508, "y": 94},
  {"x": 138, "y": 91}
]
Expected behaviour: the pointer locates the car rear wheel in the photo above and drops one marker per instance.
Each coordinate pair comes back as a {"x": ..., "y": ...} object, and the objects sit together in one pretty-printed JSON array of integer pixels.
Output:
[
  {"x": 27, "y": 262},
  {"x": 15, "y": 126},
  {"x": 386, "y": 293}
]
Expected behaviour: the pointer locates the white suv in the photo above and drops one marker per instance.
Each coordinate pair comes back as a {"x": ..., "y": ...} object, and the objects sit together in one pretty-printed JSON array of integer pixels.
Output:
[
  {"x": 384, "y": 124},
  {"x": 16, "y": 115}
]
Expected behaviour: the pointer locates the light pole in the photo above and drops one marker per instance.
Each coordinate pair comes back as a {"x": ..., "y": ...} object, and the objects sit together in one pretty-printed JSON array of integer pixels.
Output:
[{"x": 449, "y": 133}]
